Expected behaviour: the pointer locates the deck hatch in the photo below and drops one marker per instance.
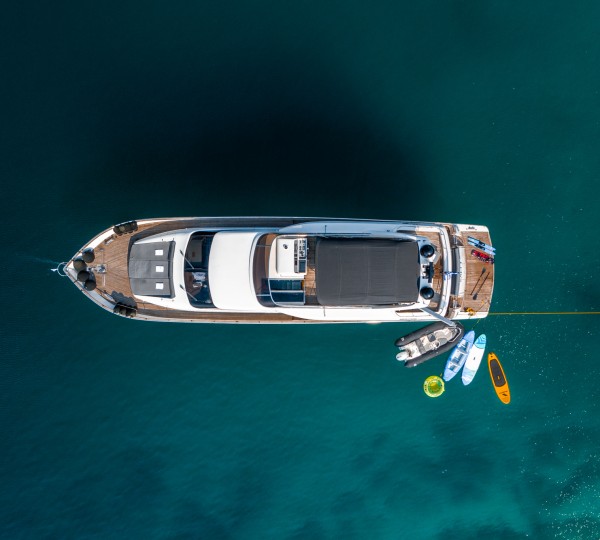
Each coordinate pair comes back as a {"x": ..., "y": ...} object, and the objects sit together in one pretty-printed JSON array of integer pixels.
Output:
[{"x": 150, "y": 269}]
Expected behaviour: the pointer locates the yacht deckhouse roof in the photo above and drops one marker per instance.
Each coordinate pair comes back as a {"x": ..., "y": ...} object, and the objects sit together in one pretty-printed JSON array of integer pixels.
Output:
[
  {"x": 352, "y": 272},
  {"x": 229, "y": 271}
]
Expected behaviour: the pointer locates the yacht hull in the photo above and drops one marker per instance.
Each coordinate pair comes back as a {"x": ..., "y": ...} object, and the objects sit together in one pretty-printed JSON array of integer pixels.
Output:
[{"x": 453, "y": 271}]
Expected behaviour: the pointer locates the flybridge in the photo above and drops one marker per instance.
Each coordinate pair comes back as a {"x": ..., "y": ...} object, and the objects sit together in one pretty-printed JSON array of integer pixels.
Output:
[
  {"x": 366, "y": 272},
  {"x": 339, "y": 271}
]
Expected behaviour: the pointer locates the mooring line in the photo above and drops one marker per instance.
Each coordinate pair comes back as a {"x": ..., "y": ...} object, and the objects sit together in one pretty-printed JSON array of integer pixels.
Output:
[{"x": 546, "y": 313}]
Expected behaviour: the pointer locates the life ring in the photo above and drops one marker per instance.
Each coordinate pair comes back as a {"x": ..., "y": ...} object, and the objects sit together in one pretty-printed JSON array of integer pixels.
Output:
[{"x": 433, "y": 386}]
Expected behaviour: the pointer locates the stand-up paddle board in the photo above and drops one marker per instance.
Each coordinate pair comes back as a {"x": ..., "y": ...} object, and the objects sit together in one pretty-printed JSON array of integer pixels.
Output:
[
  {"x": 498, "y": 378},
  {"x": 473, "y": 359},
  {"x": 458, "y": 356}
]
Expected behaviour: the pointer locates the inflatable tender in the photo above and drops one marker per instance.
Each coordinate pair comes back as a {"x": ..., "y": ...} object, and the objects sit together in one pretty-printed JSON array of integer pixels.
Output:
[{"x": 428, "y": 342}]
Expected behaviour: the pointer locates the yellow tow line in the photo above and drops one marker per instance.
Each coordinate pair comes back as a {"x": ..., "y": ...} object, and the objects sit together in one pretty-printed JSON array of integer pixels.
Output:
[{"x": 547, "y": 313}]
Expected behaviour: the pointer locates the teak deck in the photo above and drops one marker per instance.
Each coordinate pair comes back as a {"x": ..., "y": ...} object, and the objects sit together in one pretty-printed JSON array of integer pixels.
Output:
[
  {"x": 480, "y": 278},
  {"x": 112, "y": 255}
]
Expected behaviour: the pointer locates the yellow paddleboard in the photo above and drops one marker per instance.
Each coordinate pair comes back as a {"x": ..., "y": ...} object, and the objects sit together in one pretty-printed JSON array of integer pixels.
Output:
[{"x": 498, "y": 378}]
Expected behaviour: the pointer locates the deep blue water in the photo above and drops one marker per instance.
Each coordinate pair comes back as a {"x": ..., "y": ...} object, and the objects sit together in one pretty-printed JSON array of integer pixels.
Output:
[{"x": 472, "y": 112}]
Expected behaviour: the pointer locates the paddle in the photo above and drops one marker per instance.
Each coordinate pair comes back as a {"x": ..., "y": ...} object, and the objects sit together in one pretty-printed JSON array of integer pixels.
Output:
[
  {"x": 477, "y": 282},
  {"x": 480, "y": 286}
]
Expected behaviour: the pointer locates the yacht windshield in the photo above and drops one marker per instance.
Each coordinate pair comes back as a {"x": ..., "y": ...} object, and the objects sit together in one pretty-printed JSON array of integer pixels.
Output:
[{"x": 196, "y": 277}]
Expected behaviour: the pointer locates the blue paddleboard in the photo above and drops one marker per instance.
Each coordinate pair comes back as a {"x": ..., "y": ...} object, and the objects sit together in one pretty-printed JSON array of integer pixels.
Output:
[
  {"x": 458, "y": 356},
  {"x": 474, "y": 359}
]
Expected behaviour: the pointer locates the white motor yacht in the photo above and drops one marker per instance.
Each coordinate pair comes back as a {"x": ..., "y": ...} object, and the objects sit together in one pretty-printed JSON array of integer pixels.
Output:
[{"x": 287, "y": 270}]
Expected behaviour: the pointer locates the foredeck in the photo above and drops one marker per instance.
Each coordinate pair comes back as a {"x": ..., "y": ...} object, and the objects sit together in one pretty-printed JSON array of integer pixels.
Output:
[{"x": 113, "y": 284}]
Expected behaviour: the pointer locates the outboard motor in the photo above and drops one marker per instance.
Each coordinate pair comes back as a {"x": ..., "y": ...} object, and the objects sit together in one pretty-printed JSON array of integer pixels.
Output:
[{"x": 403, "y": 355}]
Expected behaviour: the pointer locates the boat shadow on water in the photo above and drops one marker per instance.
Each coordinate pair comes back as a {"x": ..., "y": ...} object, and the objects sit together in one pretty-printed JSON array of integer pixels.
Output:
[{"x": 309, "y": 134}]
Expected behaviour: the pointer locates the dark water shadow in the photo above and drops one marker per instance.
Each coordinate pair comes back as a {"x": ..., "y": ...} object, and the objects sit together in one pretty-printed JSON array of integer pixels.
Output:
[{"x": 273, "y": 138}]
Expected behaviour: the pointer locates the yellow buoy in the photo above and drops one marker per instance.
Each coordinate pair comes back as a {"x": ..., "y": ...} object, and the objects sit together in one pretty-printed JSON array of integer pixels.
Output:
[{"x": 433, "y": 386}]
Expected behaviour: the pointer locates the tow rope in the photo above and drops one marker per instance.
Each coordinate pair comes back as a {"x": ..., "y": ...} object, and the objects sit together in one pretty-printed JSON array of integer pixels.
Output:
[{"x": 546, "y": 313}]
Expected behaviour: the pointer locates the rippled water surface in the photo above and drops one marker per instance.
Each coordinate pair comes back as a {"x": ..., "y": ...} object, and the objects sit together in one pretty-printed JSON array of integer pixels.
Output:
[{"x": 469, "y": 112}]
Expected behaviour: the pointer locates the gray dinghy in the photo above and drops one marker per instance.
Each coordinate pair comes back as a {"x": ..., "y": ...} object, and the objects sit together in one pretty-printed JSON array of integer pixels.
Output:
[{"x": 428, "y": 342}]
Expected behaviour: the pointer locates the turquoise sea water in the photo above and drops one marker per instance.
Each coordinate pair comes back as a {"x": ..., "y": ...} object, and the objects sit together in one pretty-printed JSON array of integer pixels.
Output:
[{"x": 467, "y": 112}]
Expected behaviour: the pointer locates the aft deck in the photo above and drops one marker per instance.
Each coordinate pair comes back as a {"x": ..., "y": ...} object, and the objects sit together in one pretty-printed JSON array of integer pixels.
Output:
[
  {"x": 477, "y": 294},
  {"x": 479, "y": 287}
]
